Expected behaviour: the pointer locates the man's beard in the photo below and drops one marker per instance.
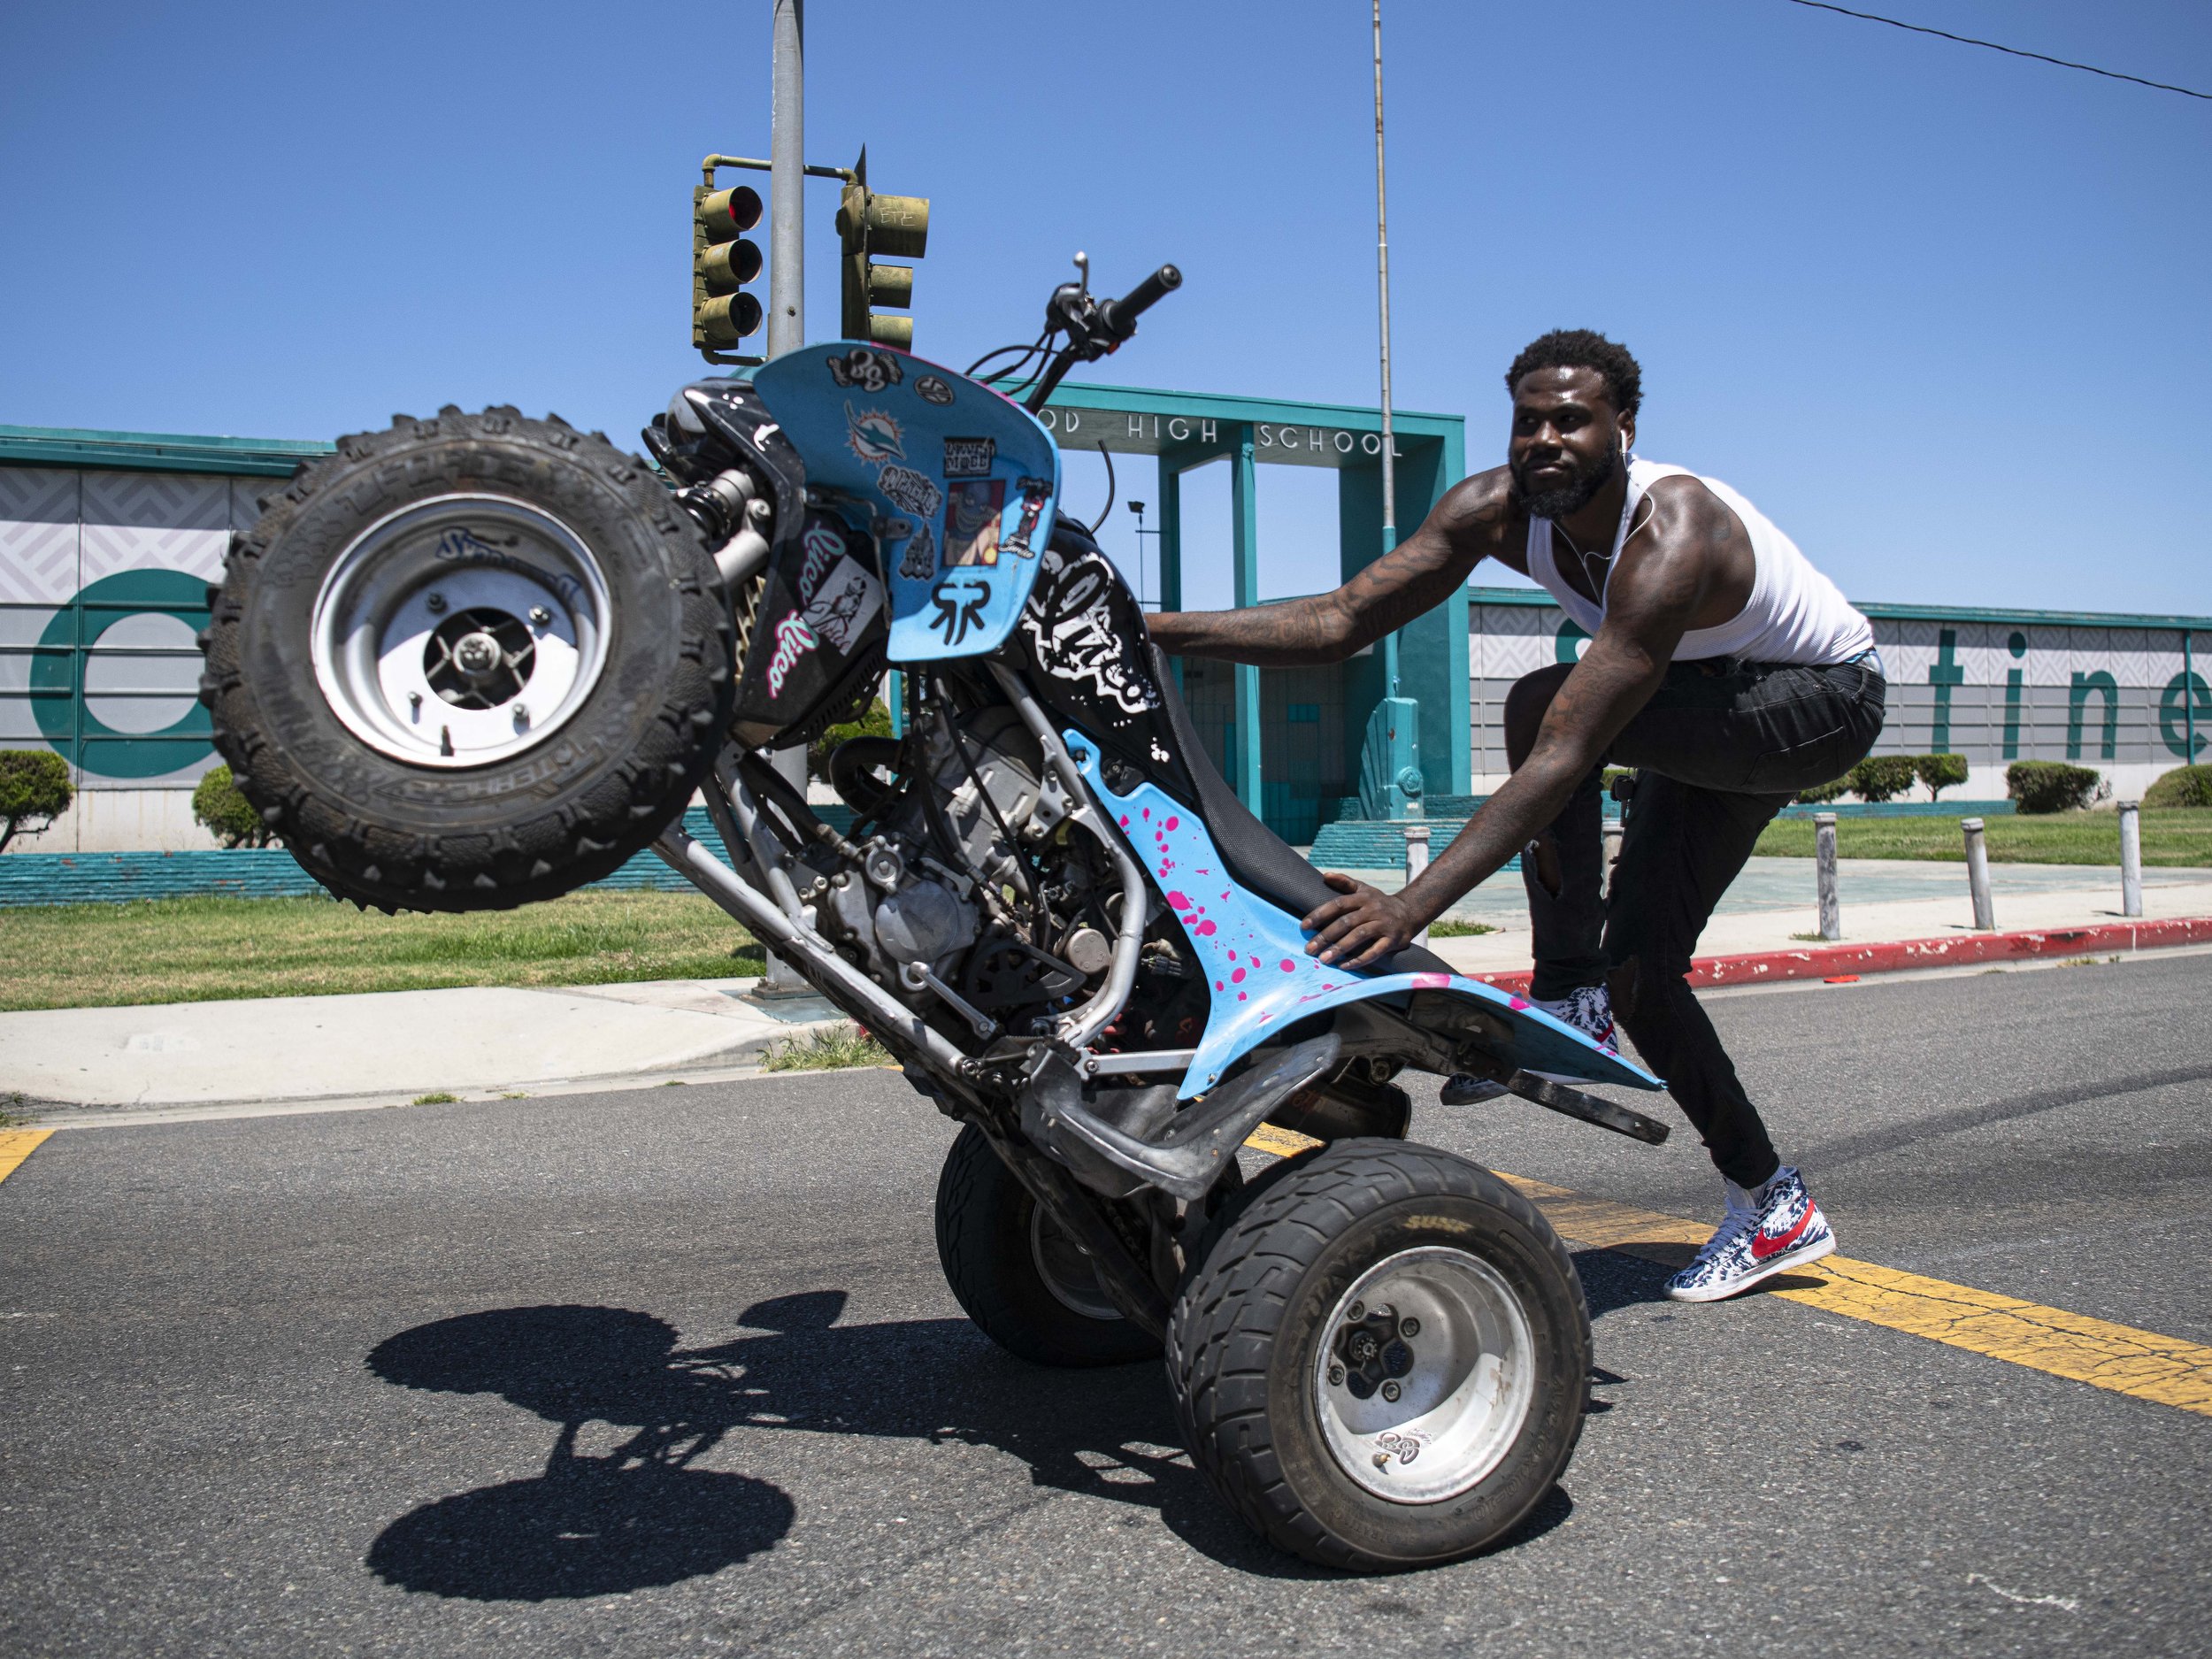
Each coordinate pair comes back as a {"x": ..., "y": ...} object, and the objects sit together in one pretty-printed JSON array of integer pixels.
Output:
[{"x": 1568, "y": 499}]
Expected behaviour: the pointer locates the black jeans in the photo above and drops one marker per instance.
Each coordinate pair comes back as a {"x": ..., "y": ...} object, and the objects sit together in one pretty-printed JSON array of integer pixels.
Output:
[{"x": 1719, "y": 750}]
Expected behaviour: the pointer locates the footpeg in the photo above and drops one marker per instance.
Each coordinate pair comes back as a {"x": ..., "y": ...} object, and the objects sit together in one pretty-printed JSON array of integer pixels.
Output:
[{"x": 1574, "y": 1103}]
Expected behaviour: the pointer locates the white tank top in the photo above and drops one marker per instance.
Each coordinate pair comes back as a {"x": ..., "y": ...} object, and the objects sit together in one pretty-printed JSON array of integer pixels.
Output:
[{"x": 1795, "y": 614}]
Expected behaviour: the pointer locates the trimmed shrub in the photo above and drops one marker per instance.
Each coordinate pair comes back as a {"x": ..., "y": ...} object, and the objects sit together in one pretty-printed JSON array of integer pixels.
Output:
[
  {"x": 228, "y": 816},
  {"x": 1821, "y": 791},
  {"x": 1881, "y": 777},
  {"x": 34, "y": 790},
  {"x": 2184, "y": 786},
  {"x": 2050, "y": 786},
  {"x": 875, "y": 723},
  {"x": 1940, "y": 772}
]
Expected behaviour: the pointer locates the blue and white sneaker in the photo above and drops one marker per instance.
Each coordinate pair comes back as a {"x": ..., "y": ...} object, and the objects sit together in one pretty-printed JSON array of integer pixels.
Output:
[
  {"x": 1589, "y": 1010},
  {"x": 1766, "y": 1231}
]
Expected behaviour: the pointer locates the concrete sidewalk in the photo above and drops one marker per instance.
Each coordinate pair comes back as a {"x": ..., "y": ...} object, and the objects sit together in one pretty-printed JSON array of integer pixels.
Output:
[{"x": 392, "y": 1046}]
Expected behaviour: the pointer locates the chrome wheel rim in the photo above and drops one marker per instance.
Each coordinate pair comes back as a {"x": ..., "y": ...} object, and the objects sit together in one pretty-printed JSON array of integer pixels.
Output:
[
  {"x": 1425, "y": 1375},
  {"x": 1065, "y": 1267},
  {"x": 460, "y": 632}
]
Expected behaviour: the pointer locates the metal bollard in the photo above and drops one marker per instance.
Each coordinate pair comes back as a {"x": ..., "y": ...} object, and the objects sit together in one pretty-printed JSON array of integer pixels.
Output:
[
  {"x": 1825, "y": 865},
  {"x": 1612, "y": 856},
  {"x": 2131, "y": 858},
  {"x": 1977, "y": 876},
  {"x": 1416, "y": 861}
]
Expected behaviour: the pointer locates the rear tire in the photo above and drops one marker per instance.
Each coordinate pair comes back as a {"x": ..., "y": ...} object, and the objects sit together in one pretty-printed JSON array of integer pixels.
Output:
[
  {"x": 583, "y": 723},
  {"x": 1024, "y": 1282},
  {"x": 1352, "y": 1244}
]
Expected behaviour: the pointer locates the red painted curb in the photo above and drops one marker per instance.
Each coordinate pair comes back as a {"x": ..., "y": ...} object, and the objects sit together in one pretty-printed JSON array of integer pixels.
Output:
[{"x": 1820, "y": 962}]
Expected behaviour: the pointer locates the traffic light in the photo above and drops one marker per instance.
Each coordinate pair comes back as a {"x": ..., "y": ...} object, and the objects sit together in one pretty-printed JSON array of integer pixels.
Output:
[
  {"x": 869, "y": 224},
  {"x": 722, "y": 263}
]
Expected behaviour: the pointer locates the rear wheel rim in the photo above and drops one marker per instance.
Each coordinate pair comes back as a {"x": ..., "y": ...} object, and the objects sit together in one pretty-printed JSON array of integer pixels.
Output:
[
  {"x": 460, "y": 632},
  {"x": 1065, "y": 1268},
  {"x": 1440, "y": 1329}
]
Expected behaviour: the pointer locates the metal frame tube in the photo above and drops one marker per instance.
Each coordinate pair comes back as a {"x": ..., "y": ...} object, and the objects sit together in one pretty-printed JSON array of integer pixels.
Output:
[{"x": 693, "y": 862}]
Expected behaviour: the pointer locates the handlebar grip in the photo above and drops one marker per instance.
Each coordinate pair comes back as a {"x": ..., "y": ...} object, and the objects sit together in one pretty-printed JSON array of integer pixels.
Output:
[{"x": 1120, "y": 316}]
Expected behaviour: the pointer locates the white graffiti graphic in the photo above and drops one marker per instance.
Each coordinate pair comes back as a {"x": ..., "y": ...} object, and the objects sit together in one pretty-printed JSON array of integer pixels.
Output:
[
  {"x": 1071, "y": 628},
  {"x": 794, "y": 640}
]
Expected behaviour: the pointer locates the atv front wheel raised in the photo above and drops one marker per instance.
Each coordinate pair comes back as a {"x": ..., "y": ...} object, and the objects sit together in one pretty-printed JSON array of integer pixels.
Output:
[
  {"x": 469, "y": 663},
  {"x": 1382, "y": 1363}
]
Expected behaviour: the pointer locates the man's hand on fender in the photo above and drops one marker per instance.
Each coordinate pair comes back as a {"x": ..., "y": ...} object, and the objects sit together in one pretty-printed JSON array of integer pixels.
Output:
[{"x": 1362, "y": 929}]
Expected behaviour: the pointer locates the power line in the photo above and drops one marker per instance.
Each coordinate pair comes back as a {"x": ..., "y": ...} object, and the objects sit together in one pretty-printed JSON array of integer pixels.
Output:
[{"x": 1968, "y": 40}]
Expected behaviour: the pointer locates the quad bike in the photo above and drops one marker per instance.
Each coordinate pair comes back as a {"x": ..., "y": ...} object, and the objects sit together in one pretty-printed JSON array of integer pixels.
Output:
[{"x": 481, "y": 660}]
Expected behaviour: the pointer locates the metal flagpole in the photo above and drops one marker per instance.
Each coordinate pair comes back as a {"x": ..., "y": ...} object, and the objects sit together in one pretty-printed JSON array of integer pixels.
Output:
[
  {"x": 787, "y": 294},
  {"x": 1382, "y": 275}
]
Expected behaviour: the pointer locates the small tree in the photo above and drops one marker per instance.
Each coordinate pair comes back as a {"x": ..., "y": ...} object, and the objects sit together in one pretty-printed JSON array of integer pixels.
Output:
[
  {"x": 1821, "y": 791},
  {"x": 1940, "y": 772},
  {"x": 34, "y": 790},
  {"x": 2050, "y": 786},
  {"x": 1881, "y": 777},
  {"x": 228, "y": 815}
]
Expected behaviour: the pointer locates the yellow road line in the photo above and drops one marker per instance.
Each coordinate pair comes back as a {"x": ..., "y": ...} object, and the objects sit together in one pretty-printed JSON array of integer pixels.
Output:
[
  {"x": 2118, "y": 1357},
  {"x": 16, "y": 1145}
]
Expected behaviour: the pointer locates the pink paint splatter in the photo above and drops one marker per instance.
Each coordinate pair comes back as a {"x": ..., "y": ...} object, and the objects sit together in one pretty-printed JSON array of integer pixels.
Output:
[
  {"x": 1124, "y": 820},
  {"x": 1517, "y": 1003},
  {"x": 1179, "y": 901},
  {"x": 1431, "y": 981},
  {"x": 1205, "y": 930},
  {"x": 1237, "y": 978},
  {"x": 1144, "y": 812},
  {"x": 1242, "y": 994},
  {"x": 1172, "y": 822},
  {"x": 1289, "y": 966},
  {"x": 1219, "y": 987}
]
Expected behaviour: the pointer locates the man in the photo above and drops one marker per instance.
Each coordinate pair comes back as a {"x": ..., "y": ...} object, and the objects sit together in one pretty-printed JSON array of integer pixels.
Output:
[{"x": 1722, "y": 667}]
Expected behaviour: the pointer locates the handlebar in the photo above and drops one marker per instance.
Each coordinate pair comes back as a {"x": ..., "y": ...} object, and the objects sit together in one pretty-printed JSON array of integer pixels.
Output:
[{"x": 1120, "y": 316}]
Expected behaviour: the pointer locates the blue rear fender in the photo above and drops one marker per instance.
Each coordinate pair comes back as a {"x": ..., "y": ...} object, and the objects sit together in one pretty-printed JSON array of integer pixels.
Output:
[{"x": 1254, "y": 957}]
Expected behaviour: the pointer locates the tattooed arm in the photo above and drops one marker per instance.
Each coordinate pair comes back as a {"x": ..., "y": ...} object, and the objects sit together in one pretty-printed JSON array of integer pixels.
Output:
[
  {"x": 1416, "y": 575},
  {"x": 1662, "y": 579}
]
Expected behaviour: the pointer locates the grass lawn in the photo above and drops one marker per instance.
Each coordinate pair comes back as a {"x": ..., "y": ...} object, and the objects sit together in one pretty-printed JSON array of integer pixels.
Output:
[
  {"x": 184, "y": 950},
  {"x": 2181, "y": 835}
]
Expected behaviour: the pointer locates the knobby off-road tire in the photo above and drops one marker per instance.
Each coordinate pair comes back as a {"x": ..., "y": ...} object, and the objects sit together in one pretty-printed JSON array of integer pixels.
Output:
[
  {"x": 1261, "y": 1341},
  {"x": 628, "y": 680}
]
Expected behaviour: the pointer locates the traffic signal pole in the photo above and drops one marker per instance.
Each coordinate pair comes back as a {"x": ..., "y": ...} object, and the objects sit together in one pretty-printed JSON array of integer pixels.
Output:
[
  {"x": 787, "y": 296},
  {"x": 787, "y": 187}
]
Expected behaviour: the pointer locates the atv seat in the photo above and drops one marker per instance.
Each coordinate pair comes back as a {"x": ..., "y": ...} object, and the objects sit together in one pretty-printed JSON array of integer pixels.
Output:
[{"x": 1259, "y": 859}]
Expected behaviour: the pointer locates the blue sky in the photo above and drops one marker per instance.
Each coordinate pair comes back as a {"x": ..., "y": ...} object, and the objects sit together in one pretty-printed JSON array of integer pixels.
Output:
[{"x": 1941, "y": 312}]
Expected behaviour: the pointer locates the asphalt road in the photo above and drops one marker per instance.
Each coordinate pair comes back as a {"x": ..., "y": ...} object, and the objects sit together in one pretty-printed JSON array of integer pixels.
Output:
[{"x": 351, "y": 1382}]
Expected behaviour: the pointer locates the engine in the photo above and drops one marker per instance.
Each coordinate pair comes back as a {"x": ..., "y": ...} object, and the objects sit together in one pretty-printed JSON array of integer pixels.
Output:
[{"x": 967, "y": 895}]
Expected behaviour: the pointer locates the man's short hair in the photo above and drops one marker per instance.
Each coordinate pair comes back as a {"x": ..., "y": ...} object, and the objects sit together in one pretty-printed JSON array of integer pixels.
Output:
[{"x": 1584, "y": 348}]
